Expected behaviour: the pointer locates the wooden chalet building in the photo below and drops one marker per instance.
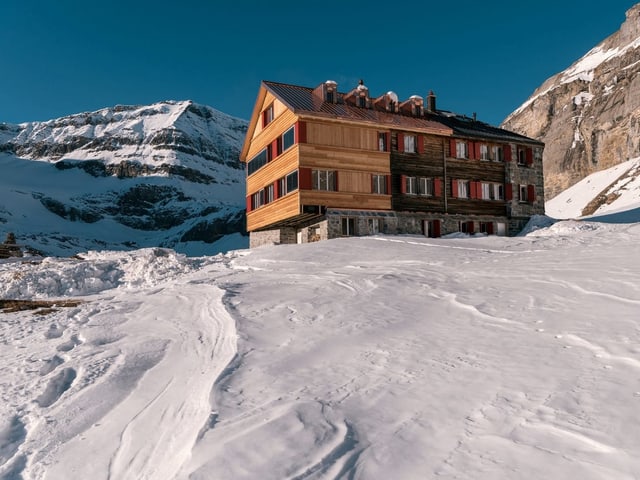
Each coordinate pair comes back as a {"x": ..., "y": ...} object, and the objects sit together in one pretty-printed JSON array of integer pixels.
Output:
[{"x": 324, "y": 164}]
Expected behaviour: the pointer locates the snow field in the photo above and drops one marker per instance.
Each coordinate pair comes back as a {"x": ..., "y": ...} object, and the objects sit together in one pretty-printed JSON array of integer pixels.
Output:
[{"x": 378, "y": 357}]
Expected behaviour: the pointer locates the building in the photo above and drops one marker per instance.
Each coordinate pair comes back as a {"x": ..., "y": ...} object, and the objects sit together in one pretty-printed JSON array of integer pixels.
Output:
[{"x": 324, "y": 164}]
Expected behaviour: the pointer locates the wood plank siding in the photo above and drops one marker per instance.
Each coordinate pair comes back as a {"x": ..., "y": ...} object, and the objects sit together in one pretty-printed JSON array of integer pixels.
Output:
[
  {"x": 345, "y": 200},
  {"x": 272, "y": 171},
  {"x": 277, "y": 127},
  {"x": 280, "y": 209}
]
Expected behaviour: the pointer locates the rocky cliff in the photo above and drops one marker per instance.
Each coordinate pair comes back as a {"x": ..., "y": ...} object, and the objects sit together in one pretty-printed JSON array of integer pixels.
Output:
[
  {"x": 166, "y": 174},
  {"x": 589, "y": 114}
]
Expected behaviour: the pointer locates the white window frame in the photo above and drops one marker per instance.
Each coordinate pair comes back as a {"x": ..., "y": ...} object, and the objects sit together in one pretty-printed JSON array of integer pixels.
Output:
[
  {"x": 350, "y": 230},
  {"x": 523, "y": 189},
  {"x": 462, "y": 149},
  {"x": 323, "y": 180},
  {"x": 463, "y": 188},
  {"x": 497, "y": 153},
  {"x": 426, "y": 186},
  {"x": 410, "y": 143},
  {"x": 484, "y": 151},
  {"x": 411, "y": 185},
  {"x": 379, "y": 184}
]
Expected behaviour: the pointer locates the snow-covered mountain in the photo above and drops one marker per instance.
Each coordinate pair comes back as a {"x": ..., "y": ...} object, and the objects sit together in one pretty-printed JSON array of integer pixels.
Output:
[
  {"x": 614, "y": 193},
  {"x": 589, "y": 114},
  {"x": 125, "y": 177}
]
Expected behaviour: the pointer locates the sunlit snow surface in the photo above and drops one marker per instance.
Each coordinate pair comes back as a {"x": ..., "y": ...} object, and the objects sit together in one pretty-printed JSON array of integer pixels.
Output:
[{"x": 369, "y": 358}]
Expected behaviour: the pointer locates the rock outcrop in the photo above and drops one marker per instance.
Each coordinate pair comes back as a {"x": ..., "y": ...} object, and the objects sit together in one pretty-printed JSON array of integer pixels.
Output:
[{"x": 589, "y": 114}]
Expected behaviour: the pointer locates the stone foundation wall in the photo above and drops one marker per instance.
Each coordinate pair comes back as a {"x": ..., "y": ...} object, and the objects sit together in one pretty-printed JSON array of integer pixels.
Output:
[{"x": 272, "y": 237}]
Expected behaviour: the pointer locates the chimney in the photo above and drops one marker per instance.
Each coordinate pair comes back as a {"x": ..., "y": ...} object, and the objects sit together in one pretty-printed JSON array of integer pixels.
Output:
[{"x": 431, "y": 102}]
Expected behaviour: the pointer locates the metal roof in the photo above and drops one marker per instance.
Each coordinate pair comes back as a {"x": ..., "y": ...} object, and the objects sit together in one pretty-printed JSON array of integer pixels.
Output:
[{"x": 302, "y": 101}]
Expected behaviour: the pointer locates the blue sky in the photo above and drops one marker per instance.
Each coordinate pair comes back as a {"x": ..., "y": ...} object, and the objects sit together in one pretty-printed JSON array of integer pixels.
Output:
[{"x": 62, "y": 57}]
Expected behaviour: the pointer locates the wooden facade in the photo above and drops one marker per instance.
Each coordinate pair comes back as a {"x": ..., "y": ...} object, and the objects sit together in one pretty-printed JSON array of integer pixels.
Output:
[{"x": 306, "y": 153}]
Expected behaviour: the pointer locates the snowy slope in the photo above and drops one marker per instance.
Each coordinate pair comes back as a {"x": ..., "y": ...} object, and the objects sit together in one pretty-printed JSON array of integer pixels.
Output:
[
  {"x": 125, "y": 177},
  {"x": 378, "y": 357},
  {"x": 614, "y": 190}
]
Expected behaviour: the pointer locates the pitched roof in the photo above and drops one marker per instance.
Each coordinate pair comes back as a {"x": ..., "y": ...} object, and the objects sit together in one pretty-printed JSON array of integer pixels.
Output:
[{"x": 302, "y": 101}]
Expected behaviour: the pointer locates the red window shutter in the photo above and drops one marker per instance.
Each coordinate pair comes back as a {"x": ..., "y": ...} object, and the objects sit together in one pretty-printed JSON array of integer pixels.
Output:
[
  {"x": 373, "y": 184},
  {"x": 454, "y": 188},
  {"x": 531, "y": 193},
  {"x": 388, "y": 179},
  {"x": 420, "y": 140},
  {"x": 490, "y": 228},
  {"x": 274, "y": 149},
  {"x": 387, "y": 142},
  {"x": 452, "y": 148},
  {"x": 471, "y": 148},
  {"x": 305, "y": 179},
  {"x": 403, "y": 184},
  {"x": 508, "y": 191},
  {"x": 276, "y": 190},
  {"x": 529, "y": 156},
  {"x": 472, "y": 189},
  {"x": 507, "y": 153},
  {"x": 436, "y": 228},
  {"x": 477, "y": 189},
  {"x": 469, "y": 227},
  {"x": 301, "y": 132},
  {"x": 400, "y": 142},
  {"x": 249, "y": 203},
  {"x": 437, "y": 187},
  {"x": 264, "y": 119},
  {"x": 476, "y": 147}
]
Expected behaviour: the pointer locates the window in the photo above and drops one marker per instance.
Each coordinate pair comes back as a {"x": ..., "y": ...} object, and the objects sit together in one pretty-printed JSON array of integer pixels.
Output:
[
  {"x": 465, "y": 227},
  {"x": 348, "y": 226},
  {"x": 462, "y": 150},
  {"x": 267, "y": 115},
  {"x": 411, "y": 185},
  {"x": 361, "y": 102},
  {"x": 484, "y": 152},
  {"x": 492, "y": 191},
  {"x": 257, "y": 199},
  {"x": 486, "y": 227},
  {"x": 463, "y": 189},
  {"x": 523, "y": 193},
  {"x": 382, "y": 141},
  {"x": 522, "y": 157},
  {"x": 331, "y": 96},
  {"x": 425, "y": 186},
  {"x": 323, "y": 180},
  {"x": 288, "y": 138},
  {"x": 410, "y": 143},
  {"x": 379, "y": 184},
  {"x": 374, "y": 225},
  {"x": 292, "y": 182},
  {"x": 269, "y": 194},
  {"x": 497, "y": 154},
  {"x": 257, "y": 162}
]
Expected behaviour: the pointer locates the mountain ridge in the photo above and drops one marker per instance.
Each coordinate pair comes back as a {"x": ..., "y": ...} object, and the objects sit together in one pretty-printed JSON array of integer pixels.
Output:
[
  {"x": 167, "y": 174},
  {"x": 588, "y": 115}
]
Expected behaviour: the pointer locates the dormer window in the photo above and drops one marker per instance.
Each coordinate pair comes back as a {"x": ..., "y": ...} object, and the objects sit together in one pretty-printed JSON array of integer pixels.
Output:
[
  {"x": 361, "y": 102},
  {"x": 330, "y": 91},
  {"x": 267, "y": 116}
]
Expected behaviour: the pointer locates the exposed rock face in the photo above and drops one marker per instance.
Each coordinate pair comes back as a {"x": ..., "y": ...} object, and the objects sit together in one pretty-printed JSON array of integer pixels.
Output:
[
  {"x": 163, "y": 174},
  {"x": 588, "y": 115}
]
